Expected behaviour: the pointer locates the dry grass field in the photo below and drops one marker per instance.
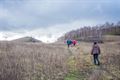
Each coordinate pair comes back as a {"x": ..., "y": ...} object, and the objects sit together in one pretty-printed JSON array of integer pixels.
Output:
[{"x": 38, "y": 61}]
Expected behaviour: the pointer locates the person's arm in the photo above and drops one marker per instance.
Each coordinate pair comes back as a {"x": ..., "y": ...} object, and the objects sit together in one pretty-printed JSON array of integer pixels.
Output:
[
  {"x": 92, "y": 51},
  {"x": 99, "y": 50}
]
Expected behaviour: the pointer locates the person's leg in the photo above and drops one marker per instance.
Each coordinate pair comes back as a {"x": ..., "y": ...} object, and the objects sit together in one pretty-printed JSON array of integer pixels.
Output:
[
  {"x": 74, "y": 44},
  {"x": 97, "y": 58},
  {"x": 68, "y": 45},
  {"x": 94, "y": 57}
]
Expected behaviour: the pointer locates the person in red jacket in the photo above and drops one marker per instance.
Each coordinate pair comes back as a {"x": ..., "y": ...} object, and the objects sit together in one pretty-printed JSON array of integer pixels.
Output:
[
  {"x": 74, "y": 42},
  {"x": 96, "y": 52}
]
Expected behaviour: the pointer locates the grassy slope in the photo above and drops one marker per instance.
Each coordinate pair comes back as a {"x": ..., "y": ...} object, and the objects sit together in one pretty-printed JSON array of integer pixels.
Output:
[
  {"x": 83, "y": 68},
  {"x": 36, "y": 61}
]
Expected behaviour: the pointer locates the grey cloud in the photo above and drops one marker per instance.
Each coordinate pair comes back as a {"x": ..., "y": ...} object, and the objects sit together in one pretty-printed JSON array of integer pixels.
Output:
[{"x": 27, "y": 15}]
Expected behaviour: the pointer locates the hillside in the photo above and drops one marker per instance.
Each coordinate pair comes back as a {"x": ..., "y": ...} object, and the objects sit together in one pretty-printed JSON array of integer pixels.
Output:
[
  {"x": 22, "y": 61},
  {"x": 26, "y": 39}
]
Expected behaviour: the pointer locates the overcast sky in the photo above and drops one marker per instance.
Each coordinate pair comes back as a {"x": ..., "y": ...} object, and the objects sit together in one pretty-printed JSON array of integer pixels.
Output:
[{"x": 49, "y": 19}]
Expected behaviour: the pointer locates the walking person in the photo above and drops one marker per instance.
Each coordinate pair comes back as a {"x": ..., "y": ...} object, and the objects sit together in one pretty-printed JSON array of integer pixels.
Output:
[
  {"x": 96, "y": 52},
  {"x": 74, "y": 42},
  {"x": 69, "y": 42}
]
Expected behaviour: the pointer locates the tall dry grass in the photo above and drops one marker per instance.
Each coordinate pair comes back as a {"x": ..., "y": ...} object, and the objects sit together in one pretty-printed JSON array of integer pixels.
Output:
[
  {"x": 28, "y": 61},
  {"x": 109, "y": 58},
  {"x": 37, "y": 61}
]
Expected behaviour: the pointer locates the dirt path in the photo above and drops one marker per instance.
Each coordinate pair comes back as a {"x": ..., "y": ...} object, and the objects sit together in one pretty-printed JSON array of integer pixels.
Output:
[{"x": 96, "y": 74}]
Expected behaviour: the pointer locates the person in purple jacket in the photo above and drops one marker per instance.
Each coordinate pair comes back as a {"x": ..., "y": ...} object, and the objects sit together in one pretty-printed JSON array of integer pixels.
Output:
[{"x": 96, "y": 52}]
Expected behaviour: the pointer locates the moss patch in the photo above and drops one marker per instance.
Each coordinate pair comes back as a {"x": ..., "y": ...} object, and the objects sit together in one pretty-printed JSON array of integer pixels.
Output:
[{"x": 75, "y": 76}]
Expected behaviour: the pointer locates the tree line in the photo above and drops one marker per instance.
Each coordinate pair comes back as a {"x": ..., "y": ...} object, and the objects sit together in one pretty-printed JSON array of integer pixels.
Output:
[{"x": 90, "y": 33}]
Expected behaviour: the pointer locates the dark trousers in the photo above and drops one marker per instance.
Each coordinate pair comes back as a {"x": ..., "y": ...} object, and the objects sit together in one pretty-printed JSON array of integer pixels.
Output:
[
  {"x": 68, "y": 45},
  {"x": 96, "y": 59},
  {"x": 74, "y": 44}
]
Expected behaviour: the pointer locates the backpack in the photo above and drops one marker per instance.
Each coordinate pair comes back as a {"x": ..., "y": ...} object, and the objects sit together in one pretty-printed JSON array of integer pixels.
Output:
[
  {"x": 96, "y": 49},
  {"x": 69, "y": 42}
]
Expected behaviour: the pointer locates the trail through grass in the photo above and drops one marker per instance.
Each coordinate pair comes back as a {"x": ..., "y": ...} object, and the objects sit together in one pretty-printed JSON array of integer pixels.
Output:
[{"x": 81, "y": 65}]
